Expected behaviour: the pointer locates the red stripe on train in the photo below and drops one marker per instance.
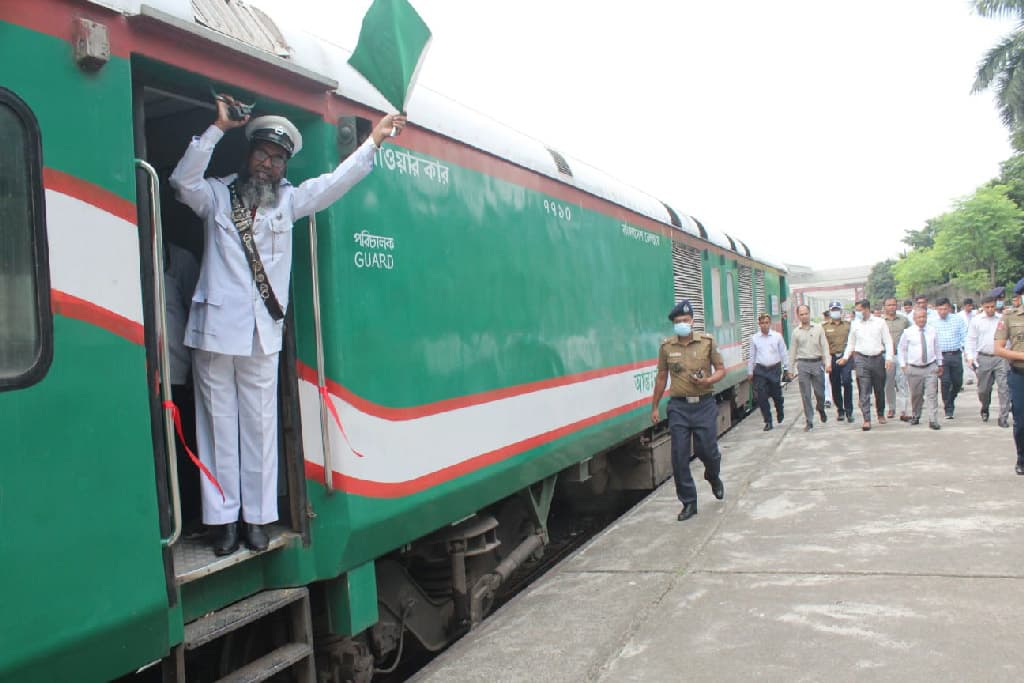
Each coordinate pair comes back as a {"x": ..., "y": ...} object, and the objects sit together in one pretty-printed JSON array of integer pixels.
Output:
[
  {"x": 378, "y": 489},
  {"x": 71, "y": 306},
  {"x": 61, "y": 182}
]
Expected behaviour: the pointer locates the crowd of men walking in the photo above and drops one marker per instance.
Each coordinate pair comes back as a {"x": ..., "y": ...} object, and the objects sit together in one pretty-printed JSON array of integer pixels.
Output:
[{"x": 903, "y": 359}]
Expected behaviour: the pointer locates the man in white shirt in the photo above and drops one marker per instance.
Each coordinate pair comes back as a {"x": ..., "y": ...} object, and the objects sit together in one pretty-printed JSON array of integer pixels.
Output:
[
  {"x": 768, "y": 360},
  {"x": 922, "y": 364},
  {"x": 968, "y": 313},
  {"x": 870, "y": 340},
  {"x": 980, "y": 353}
]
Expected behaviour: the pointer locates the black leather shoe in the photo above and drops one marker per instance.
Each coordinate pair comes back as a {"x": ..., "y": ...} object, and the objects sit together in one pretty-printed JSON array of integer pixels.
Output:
[
  {"x": 225, "y": 539},
  {"x": 1020, "y": 467},
  {"x": 256, "y": 537},
  {"x": 934, "y": 425},
  {"x": 822, "y": 415},
  {"x": 718, "y": 488},
  {"x": 915, "y": 420},
  {"x": 849, "y": 418},
  {"x": 984, "y": 415},
  {"x": 781, "y": 417},
  {"x": 689, "y": 510},
  {"x": 1003, "y": 422},
  {"x": 767, "y": 426},
  {"x": 842, "y": 416}
]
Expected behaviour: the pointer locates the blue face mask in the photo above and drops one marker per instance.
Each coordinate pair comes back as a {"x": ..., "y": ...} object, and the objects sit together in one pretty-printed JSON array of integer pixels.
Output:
[
  {"x": 835, "y": 315},
  {"x": 683, "y": 329},
  {"x": 860, "y": 315},
  {"x": 999, "y": 305}
]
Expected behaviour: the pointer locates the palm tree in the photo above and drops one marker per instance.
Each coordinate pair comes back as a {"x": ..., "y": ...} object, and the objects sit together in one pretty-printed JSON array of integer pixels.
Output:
[{"x": 1003, "y": 65}]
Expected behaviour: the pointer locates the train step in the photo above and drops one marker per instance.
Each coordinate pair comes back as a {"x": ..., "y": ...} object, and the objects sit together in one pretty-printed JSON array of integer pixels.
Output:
[{"x": 298, "y": 653}]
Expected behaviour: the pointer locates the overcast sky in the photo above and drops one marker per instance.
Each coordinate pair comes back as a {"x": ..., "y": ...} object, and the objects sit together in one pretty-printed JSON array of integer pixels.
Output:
[{"x": 816, "y": 130}]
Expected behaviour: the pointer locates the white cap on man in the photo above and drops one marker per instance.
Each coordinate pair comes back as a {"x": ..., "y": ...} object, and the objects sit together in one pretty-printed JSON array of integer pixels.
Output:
[{"x": 275, "y": 129}]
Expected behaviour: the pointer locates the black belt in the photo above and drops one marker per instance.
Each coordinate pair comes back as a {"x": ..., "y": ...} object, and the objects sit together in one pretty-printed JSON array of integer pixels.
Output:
[
  {"x": 692, "y": 399},
  {"x": 811, "y": 360},
  {"x": 949, "y": 353},
  {"x": 769, "y": 367},
  {"x": 926, "y": 365},
  {"x": 864, "y": 355},
  {"x": 982, "y": 353}
]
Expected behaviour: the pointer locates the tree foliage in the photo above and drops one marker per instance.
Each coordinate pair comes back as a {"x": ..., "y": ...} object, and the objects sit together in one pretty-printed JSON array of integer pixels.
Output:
[
  {"x": 881, "y": 282},
  {"x": 1002, "y": 67}
]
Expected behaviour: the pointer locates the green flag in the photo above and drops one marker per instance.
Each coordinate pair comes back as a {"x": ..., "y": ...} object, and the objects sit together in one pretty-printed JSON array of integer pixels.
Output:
[{"x": 391, "y": 47}]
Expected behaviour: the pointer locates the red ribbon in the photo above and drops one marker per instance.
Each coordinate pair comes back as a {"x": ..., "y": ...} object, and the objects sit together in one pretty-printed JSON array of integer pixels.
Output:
[
  {"x": 176, "y": 415},
  {"x": 337, "y": 420}
]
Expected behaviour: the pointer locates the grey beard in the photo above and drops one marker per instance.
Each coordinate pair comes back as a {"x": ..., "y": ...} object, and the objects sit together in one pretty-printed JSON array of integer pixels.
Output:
[{"x": 256, "y": 194}]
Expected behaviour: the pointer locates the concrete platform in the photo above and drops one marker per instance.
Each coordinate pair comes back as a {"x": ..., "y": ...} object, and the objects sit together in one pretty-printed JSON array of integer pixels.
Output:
[{"x": 837, "y": 555}]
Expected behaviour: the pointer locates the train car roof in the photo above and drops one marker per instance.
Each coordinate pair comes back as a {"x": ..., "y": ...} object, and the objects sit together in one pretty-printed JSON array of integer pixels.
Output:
[{"x": 255, "y": 31}]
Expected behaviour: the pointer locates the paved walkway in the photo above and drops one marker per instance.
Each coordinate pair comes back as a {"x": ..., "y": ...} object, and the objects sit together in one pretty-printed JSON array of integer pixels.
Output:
[{"x": 837, "y": 555}]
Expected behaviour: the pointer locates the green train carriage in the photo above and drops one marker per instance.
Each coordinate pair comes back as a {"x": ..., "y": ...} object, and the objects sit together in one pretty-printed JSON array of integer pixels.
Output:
[{"x": 489, "y": 315}]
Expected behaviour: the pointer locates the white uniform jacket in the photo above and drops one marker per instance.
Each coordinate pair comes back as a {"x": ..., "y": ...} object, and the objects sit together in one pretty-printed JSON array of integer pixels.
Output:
[{"x": 226, "y": 307}]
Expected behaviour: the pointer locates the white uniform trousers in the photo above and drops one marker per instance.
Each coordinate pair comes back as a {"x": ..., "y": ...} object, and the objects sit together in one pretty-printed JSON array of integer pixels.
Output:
[{"x": 236, "y": 432}]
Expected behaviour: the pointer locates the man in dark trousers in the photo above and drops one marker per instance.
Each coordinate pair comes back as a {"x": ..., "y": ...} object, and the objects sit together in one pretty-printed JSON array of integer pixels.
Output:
[
  {"x": 837, "y": 331},
  {"x": 768, "y": 360},
  {"x": 694, "y": 363}
]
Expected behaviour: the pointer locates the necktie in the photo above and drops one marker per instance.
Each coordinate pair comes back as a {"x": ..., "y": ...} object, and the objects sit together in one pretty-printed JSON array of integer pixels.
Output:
[{"x": 924, "y": 348}]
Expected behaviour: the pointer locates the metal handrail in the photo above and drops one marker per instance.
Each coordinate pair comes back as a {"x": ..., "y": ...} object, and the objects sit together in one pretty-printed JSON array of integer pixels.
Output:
[
  {"x": 325, "y": 433},
  {"x": 163, "y": 348}
]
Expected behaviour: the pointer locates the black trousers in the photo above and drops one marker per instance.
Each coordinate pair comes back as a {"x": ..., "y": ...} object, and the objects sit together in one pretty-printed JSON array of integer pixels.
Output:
[
  {"x": 698, "y": 421},
  {"x": 188, "y": 473},
  {"x": 952, "y": 378},
  {"x": 768, "y": 385},
  {"x": 841, "y": 378}
]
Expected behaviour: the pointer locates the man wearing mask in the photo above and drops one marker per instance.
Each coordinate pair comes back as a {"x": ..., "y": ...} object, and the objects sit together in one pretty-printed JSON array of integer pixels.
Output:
[
  {"x": 979, "y": 351},
  {"x": 871, "y": 342},
  {"x": 837, "y": 331},
  {"x": 952, "y": 334},
  {"x": 692, "y": 360}
]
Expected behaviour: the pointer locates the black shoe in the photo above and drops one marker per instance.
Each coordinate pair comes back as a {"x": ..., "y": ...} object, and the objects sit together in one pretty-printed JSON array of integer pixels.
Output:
[
  {"x": 984, "y": 415},
  {"x": 780, "y": 417},
  {"x": 842, "y": 415},
  {"x": 1020, "y": 467},
  {"x": 689, "y": 510},
  {"x": 828, "y": 404},
  {"x": 808, "y": 427},
  {"x": 949, "y": 417},
  {"x": 822, "y": 415},
  {"x": 225, "y": 539},
  {"x": 767, "y": 426},
  {"x": 1003, "y": 422},
  {"x": 849, "y": 418},
  {"x": 934, "y": 425},
  {"x": 256, "y": 537},
  {"x": 915, "y": 420},
  {"x": 718, "y": 488}
]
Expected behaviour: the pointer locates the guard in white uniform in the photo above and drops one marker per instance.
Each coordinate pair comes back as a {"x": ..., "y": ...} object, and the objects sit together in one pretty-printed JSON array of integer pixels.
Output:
[{"x": 236, "y": 318}]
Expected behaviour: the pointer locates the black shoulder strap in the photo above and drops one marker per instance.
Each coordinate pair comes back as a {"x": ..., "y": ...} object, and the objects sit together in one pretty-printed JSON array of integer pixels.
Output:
[{"x": 242, "y": 218}]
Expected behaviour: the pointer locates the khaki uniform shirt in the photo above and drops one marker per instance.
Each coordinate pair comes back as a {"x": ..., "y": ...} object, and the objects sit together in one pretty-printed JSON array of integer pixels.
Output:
[
  {"x": 837, "y": 332},
  {"x": 684, "y": 359},
  {"x": 896, "y": 327},
  {"x": 808, "y": 342},
  {"x": 1011, "y": 326}
]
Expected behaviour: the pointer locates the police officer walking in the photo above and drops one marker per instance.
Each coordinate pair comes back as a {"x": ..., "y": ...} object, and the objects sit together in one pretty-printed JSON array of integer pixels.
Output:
[
  {"x": 837, "y": 331},
  {"x": 1010, "y": 331},
  {"x": 694, "y": 363}
]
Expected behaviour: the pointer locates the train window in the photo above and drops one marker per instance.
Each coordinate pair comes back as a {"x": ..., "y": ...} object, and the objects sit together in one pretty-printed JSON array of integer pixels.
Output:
[
  {"x": 26, "y": 326},
  {"x": 716, "y": 295}
]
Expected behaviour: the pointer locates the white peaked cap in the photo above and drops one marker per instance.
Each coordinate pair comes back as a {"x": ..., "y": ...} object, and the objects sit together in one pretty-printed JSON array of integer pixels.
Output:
[{"x": 275, "y": 129}]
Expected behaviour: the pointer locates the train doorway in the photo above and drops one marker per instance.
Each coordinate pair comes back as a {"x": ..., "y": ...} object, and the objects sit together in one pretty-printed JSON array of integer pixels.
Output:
[{"x": 167, "y": 113}]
